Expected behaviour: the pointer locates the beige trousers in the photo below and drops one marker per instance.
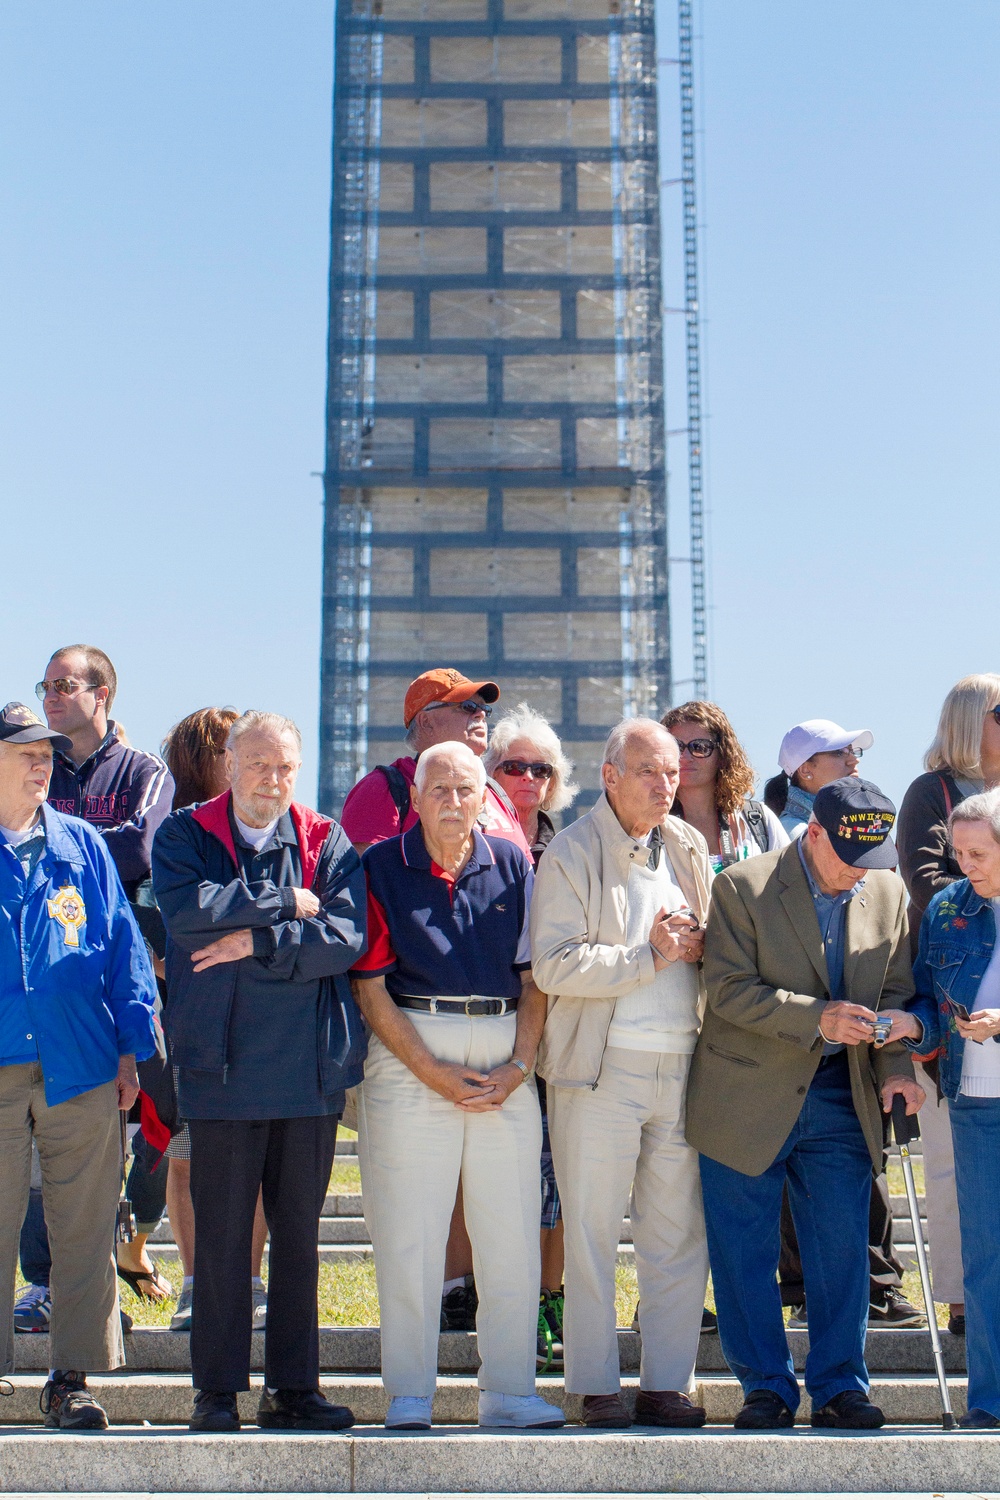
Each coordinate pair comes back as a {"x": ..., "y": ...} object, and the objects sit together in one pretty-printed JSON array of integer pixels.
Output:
[
  {"x": 628, "y": 1134},
  {"x": 943, "y": 1233},
  {"x": 412, "y": 1146},
  {"x": 78, "y": 1146}
]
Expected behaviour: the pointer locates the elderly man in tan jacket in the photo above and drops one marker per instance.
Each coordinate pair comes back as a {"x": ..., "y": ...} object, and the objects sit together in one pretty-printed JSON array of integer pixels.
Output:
[
  {"x": 807, "y": 955},
  {"x": 617, "y": 932}
]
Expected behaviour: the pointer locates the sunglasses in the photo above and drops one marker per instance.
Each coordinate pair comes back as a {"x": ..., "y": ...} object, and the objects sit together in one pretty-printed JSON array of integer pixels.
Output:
[
  {"x": 697, "y": 749},
  {"x": 996, "y": 713},
  {"x": 64, "y": 686},
  {"x": 854, "y": 750},
  {"x": 539, "y": 769},
  {"x": 470, "y": 707}
]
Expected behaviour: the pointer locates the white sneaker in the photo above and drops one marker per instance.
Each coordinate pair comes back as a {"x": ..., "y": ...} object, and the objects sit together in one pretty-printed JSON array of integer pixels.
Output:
[
  {"x": 496, "y": 1410},
  {"x": 409, "y": 1413},
  {"x": 259, "y": 1294}
]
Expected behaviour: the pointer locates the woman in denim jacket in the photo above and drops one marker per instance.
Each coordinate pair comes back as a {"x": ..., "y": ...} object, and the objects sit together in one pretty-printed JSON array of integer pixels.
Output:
[{"x": 957, "y": 1011}]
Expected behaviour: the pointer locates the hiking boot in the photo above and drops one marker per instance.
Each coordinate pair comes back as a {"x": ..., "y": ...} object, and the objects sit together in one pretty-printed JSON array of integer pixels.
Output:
[
  {"x": 66, "y": 1403},
  {"x": 458, "y": 1308}
]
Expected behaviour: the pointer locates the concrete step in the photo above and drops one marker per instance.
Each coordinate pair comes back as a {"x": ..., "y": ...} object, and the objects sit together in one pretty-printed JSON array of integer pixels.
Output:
[
  {"x": 455, "y": 1460},
  {"x": 166, "y": 1399},
  {"x": 900, "y": 1351}
]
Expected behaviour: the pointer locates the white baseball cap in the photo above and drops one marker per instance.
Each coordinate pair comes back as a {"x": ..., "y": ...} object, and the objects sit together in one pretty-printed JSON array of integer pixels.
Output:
[{"x": 813, "y": 737}]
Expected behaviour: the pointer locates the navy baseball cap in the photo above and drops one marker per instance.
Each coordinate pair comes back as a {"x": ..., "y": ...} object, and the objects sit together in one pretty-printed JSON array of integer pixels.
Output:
[
  {"x": 858, "y": 818},
  {"x": 20, "y": 725}
]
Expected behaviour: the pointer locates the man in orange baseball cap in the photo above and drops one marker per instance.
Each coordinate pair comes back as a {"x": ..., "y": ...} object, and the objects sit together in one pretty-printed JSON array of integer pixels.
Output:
[{"x": 442, "y": 704}]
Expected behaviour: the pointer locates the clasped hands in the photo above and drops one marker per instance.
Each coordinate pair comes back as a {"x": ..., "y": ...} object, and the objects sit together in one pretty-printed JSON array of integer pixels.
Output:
[
  {"x": 676, "y": 936},
  {"x": 233, "y": 946},
  {"x": 476, "y": 1093}
]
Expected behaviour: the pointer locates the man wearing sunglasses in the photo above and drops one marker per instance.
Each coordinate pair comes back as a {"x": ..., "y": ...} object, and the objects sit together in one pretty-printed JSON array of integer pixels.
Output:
[{"x": 441, "y": 706}]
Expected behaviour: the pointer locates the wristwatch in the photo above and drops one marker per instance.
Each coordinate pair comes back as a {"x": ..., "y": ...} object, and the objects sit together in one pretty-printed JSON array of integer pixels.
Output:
[{"x": 517, "y": 1063}]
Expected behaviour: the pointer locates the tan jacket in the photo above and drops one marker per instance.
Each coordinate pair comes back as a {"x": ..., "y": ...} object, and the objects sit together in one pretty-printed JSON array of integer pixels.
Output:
[
  {"x": 578, "y": 923},
  {"x": 767, "y": 980}
]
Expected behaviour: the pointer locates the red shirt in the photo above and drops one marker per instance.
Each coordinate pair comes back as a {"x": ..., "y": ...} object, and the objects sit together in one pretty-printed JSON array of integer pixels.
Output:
[{"x": 370, "y": 815}]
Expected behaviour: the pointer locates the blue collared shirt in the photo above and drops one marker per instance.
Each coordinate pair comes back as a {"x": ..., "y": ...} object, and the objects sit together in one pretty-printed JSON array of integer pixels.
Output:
[{"x": 831, "y": 914}]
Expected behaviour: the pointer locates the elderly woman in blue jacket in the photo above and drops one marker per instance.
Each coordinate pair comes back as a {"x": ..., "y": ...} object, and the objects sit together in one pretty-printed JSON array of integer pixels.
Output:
[{"x": 956, "y": 1010}]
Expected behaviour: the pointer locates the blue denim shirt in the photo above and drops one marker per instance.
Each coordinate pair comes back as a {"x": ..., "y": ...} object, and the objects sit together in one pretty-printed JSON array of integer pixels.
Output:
[{"x": 957, "y": 936}]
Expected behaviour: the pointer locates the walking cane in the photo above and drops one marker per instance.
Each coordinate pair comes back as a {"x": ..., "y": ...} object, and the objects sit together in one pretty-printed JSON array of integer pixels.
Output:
[
  {"x": 906, "y": 1129},
  {"x": 125, "y": 1222}
]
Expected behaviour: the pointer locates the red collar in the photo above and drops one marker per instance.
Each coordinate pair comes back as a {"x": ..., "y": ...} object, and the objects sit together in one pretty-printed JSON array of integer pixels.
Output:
[{"x": 311, "y": 830}]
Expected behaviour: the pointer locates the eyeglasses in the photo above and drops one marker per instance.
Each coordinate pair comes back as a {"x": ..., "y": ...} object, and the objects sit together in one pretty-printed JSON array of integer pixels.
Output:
[
  {"x": 470, "y": 707},
  {"x": 854, "y": 750},
  {"x": 697, "y": 749},
  {"x": 64, "y": 686},
  {"x": 539, "y": 769}
]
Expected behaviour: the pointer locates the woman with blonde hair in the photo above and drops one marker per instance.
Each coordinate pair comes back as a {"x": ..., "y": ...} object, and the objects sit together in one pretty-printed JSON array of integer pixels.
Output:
[
  {"x": 964, "y": 758},
  {"x": 526, "y": 758}
]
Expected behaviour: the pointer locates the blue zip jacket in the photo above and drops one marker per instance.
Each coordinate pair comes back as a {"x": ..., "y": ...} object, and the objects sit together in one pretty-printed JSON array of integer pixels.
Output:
[
  {"x": 76, "y": 985},
  {"x": 224, "y": 1022},
  {"x": 957, "y": 936}
]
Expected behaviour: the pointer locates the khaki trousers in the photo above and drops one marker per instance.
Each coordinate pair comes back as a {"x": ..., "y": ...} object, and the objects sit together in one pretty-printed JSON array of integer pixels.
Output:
[
  {"x": 79, "y": 1151},
  {"x": 943, "y": 1233},
  {"x": 628, "y": 1133},
  {"x": 412, "y": 1147}
]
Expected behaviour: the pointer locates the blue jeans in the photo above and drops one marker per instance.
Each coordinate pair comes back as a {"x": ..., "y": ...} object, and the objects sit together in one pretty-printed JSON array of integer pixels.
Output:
[
  {"x": 829, "y": 1170},
  {"x": 975, "y": 1130},
  {"x": 36, "y": 1262}
]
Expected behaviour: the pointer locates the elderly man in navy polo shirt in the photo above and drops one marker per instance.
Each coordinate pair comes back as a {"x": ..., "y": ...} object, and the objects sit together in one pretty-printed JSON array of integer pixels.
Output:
[{"x": 447, "y": 991}]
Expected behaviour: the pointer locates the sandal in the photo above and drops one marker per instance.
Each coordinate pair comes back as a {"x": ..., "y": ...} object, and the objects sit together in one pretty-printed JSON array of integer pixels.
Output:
[{"x": 156, "y": 1281}]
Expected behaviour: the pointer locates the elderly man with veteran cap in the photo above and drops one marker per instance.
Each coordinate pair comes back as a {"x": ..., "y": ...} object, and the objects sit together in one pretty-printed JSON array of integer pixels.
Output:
[
  {"x": 446, "y": 989},
  {"x": 790, "y": 1082},
  {"x": 76, "y": 1011}
]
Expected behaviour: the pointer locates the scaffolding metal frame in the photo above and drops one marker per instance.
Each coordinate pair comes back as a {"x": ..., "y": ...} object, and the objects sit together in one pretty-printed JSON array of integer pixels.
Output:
[{"x": 354, "y": 467}]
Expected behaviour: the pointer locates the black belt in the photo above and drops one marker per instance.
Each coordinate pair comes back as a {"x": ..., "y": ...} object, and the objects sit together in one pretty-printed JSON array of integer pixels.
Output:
[{"x": 444, "y": 1005}]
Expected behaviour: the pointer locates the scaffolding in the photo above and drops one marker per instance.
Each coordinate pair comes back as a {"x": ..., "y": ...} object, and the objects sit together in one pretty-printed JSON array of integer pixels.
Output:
[
  {"x": 692, "y": 349},
  {"x": 495, "y": 480}
]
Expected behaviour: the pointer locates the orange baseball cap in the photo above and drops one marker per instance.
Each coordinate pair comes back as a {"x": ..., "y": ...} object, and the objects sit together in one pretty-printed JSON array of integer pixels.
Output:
[{"x": 443, "y": 685}]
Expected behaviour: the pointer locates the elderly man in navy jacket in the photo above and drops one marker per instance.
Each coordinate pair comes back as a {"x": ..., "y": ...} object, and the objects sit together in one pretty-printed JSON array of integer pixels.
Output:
[
  {"x": 264, "y": 903},
  {"x": 76, "y": 1011},
  {"x": 446, "y": 988}
]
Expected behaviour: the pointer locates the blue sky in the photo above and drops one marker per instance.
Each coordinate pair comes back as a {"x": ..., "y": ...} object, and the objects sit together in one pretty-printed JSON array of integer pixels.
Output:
[{"x": 165, "y": 193}]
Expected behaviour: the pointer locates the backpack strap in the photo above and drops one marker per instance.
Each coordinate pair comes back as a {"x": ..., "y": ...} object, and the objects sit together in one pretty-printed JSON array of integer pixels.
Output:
[
  {"x": 399, "y": 790},
  {"x": 757, "y": 824},
  {"x": 947, "y": 796}
]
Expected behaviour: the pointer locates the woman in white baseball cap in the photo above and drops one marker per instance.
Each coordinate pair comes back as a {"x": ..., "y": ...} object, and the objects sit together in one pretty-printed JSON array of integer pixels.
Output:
[{"x": 812, "y": 754}]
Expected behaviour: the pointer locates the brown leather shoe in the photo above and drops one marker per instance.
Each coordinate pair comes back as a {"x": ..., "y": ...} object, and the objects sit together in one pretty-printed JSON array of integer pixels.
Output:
[
  {"x": 667, "y": 1409},
  {"x": 605, "y": 1411}
]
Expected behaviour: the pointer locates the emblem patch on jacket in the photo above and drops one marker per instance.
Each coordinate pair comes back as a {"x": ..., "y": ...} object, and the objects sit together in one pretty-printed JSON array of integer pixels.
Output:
[{"x": 66, "y": 907}]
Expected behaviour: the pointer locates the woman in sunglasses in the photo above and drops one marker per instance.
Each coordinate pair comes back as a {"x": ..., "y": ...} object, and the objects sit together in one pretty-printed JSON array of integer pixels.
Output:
[
  {"x": 527, "y": 760},
  {"x": 812, "y": 754},
  {"x": 716, "y": 782}
]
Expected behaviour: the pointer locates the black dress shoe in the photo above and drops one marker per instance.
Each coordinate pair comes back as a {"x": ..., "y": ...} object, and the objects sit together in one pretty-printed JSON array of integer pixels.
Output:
[
  {"x": 956, "y": 1324},
  {"x": 304, "y": 1411},
  {"x": 763, "y": 1410},
  {"x": 978, "y": 1418},
  {"x": 848, "y": 1409},
  {"x": 215, "y": 1411}
]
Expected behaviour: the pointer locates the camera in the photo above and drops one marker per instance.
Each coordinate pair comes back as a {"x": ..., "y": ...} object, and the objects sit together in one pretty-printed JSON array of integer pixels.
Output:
[{"x": 881, "y": 1027}]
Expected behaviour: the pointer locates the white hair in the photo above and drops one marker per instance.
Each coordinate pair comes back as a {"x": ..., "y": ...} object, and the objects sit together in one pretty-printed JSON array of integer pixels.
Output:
[
  {"x": 983, "y": 808},
  {"x": 257, "y": 718},
  {"x": 617, "y": 740},
  {"x": 523, "y": 723},
  {"x": 449, "y": 747}
]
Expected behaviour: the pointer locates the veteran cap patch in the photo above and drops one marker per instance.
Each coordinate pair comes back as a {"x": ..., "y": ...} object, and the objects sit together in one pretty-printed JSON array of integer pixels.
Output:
[
  {"x": 859, "y": 819},
  {"x": 20, "y": 725}
]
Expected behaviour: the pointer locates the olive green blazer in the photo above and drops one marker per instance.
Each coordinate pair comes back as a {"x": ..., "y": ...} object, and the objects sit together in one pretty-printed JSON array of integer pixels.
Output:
[{"x": 767, "y": 980}]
